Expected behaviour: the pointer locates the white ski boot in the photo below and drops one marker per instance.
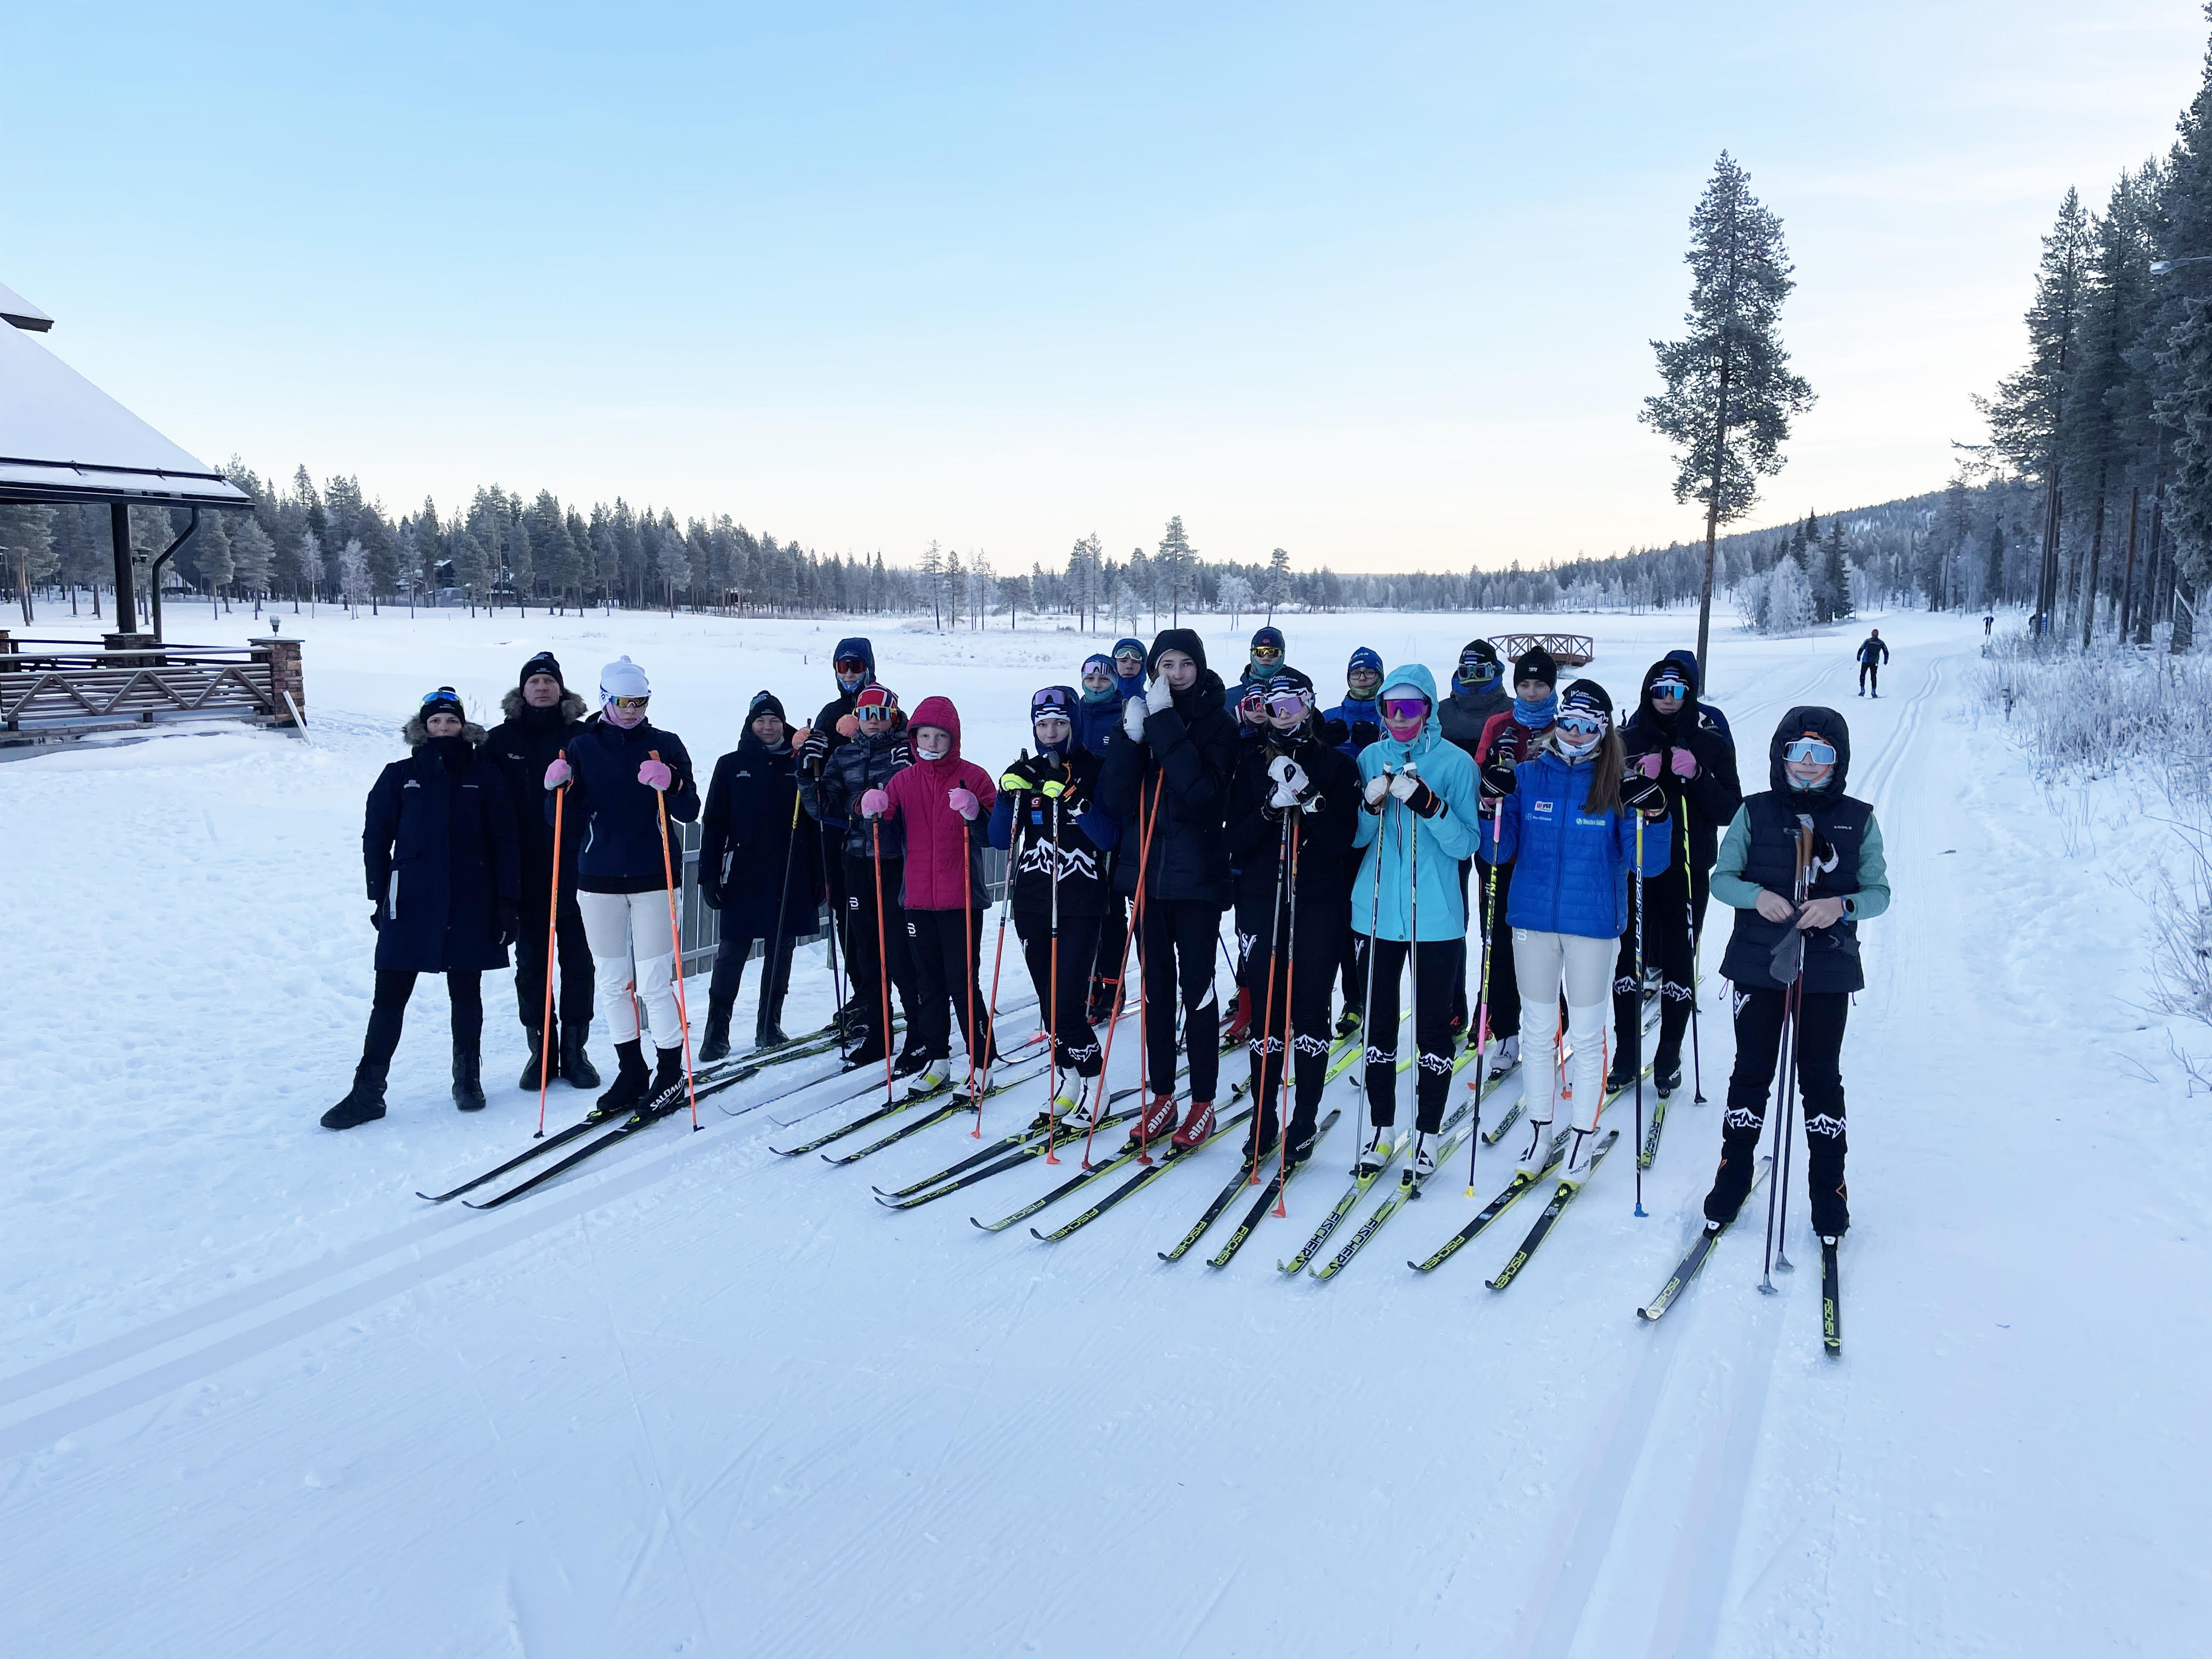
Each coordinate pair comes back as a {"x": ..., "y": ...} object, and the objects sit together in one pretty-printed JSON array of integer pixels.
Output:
[
  {"x": 1376, "y": 1152},
  {"x": 1538, "y": 1152},
  {"x": 1424, "y": 1164},
  {"x": 1072, "y": 1105}
]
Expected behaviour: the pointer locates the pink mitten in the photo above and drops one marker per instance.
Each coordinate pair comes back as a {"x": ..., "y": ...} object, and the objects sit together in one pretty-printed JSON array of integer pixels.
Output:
[
  {"x": 557, "y": 774},
  {"x": 1685, "y": 763},
  {"x": 655, "y": 774},
  {"x": 875, "y": 804},
  {"x": 1649, "y": 764},
  {"x": 964, "y": 803}
]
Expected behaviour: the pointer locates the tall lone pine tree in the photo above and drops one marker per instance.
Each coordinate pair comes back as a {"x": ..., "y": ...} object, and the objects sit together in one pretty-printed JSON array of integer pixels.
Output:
[{"x": 1729, "y": 394}]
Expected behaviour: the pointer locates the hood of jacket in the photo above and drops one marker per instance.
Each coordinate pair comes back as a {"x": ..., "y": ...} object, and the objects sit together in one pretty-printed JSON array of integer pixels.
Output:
[
  {"x": 570, "y": 707},
  {"x": 855, "y": 646},
  {"x": 1822, "y": 722},
  {"x": 1130, "y": 685},
  {"x": 1416, "y": 679},
  {"x": 1073, "y": 701},
  {"x": 941, "y": 713},
  {"x": 417, "y": 733},
  {"x": 1184, "y": 640},
  {"x": 1668, "y": 724}
]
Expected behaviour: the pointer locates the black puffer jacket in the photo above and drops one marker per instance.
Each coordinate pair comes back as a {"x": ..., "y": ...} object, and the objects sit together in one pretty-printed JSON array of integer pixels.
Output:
[
  {"x": 838, "y": 707},
  {"x": 833, "y": 798},
  {"x": 522, "y": 746},
  {"x": 1255, "y": 835},
  {"x": 1465, "y": 713},
  {"x": 1181, "y": 773},
  {"x": 1713, "y": 795},
  {"x": 438, "y": 844},
  {"x": 745, "y": 843}
]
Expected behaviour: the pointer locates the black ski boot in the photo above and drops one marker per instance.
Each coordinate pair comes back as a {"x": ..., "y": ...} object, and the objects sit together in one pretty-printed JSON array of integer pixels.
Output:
[
  {"x": 716, "y": 1045},
  {"x": 468, "y": 1077},
  {"x": 1732, "y": 1182},
  {"x": 1832, "y": 1209},
  {"x": 1622, "y": 1074},
  {"x": 631, "y": 1080},
  {"x": 1302, "y": 1140},
  {"x": 667, "y": 1092},
  {"x": 575, "y": 1065},
  {"x": 364, "y": 1102},
  {"x": 767, "y": 1034},
  {"x": 530, "y": 1079},
  {"x": 1667, "y": 1073}
]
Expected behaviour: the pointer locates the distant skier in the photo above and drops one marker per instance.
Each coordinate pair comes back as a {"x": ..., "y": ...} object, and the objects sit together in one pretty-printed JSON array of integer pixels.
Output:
[
  {"x": 1567, "y": 825},
  {"x": 1047, "y": 816},
  {"x": 620, "y": 770},
  {"x": 1989, "y": 622},
  {"x": 1507, "y": 740},
  {"x": 1847, "y": 882},
  {"x": 1872, "y": 654},
  {"x": 854, "y": 665},
  {"x": 761, "y": 868},
  {"x": 1692, "y": 762},
  {"x": 1166, "y": 777},
  {"x": 1478, "y": 696},
  {"x": 1297, "y": 770},
  {"x": 876, "y": 941},
  {"x": 1421, "y": 815},
  {"x": 438, "y": 843},
  {"x": 542, "y": 715}
]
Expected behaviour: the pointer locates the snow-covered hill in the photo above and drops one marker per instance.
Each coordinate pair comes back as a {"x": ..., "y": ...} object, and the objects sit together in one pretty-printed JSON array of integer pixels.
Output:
[{"x": 260, "y": 1399}]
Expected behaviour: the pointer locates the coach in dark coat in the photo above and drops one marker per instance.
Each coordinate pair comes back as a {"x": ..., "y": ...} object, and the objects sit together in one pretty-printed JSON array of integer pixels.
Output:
[{"x": 444, "y": 875}]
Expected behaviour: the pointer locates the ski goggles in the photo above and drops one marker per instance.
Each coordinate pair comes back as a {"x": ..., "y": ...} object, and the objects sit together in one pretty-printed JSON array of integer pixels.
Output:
[
  {"x": 1669, "y": 689},
  {"x": 1101, "y": 675},
  {"x": 1266, "y": 653},
  {"x": 1405, "y": 708},
  {"x": 874, "y": 711},
  {"x": 629, "y": 703},
  {"x": 1809, "y": 751},
  {"x": 1287, "y": 705},
  {"x": 444, "y": 695},
  {"x": 1582, "y": 726},
  {"x": 1051, "y": 703},
  {"x": 1129, "y": 662},
  {"x": 851, "y": 665}
]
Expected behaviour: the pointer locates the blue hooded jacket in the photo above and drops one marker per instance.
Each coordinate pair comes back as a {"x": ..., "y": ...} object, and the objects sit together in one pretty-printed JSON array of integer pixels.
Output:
[
  {"x": 1570, "y": 867},
  {"x": 1688, "y": 658},
  {"x": 1438, "y": 843},
  {"x": 1133, "y": 685},
  {"x": 1094, "y": 718}
]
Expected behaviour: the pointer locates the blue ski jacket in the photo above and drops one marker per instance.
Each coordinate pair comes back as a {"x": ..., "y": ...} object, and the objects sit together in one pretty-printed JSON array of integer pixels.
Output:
[
  {"x": 1407, "y": 847},
  {"x": 1570, "y": 867}
]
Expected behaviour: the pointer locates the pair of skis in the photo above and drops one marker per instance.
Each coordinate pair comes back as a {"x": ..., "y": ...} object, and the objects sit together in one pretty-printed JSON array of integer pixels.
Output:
[{"x": 1831, "y": 1318}]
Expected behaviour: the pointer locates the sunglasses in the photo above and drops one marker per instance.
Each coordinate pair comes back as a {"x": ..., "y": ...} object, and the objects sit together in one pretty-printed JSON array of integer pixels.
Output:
[
  {"x": 1479, "y": 671},
  {"x": 1285, "y": 705},
  {"x": 629, "y": 703},
  {"x": 1405, "y": 708},
  {"x": 1811, "y": 750},
  {"x": 1583, "y": 725}
]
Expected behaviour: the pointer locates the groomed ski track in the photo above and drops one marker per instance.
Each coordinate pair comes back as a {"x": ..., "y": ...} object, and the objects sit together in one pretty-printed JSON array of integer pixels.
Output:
[{"x": 698, "y": 1398}]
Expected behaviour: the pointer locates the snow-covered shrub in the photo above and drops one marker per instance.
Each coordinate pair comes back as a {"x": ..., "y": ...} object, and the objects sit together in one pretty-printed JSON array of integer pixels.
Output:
[{"x": 1778, "y": 601}]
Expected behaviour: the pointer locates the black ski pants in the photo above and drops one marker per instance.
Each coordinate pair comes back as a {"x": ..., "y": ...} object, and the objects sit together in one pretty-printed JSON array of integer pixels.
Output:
[
  {"x": 1113, "y": 946},
  {"x": 731, "y": 956},
  {"x": 387, "y": 1013},
  {"x": 1432, "y": 1035},
  {"x": 838, "y": 883},
  {"x": 1760, "y": 1016},
  {"x": 1177, "y": 942},
  {"x": 1504, "y": 983},
  {"x": 1665, "y": 922},
  {"x": 947, "y": 947},
  {"x": 573, "y": 954},
  {"x": 1870, "y": 678},
  {"x": 1296, "y": 1001},
  {"x": 1064, "y": 1000},
  {"x": 867, "y": 957}
]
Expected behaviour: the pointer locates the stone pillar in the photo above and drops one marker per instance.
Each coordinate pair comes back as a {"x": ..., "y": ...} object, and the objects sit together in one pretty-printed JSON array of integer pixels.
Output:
[
  {"x": 145, "y": 648},
  {"x": 285, "y": 674}
]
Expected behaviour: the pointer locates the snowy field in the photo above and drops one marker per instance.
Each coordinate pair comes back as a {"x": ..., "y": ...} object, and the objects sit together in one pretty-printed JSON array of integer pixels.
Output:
[{"x": 257, "y": 1398}]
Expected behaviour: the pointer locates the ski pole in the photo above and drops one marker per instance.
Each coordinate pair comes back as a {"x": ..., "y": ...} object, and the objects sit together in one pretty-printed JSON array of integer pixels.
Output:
[
  {"x": 968, "y": 969},
  {"x": 1267, "y": 1013},
  {"x": 998, "y": 956},
  {"x": 1697, "y": 967},
  {"x": 769, "y": 994},
  {"x": 1121, "y": 980},
  {"x": 1290, "y": 1049},
  {"x": 1782, "y": 1083},
  {"x": 675, "y": 948},
  {"x": 1796, "y": 1014},
  {"x": 1410, "y": 828},
  {"x": 1482, "y": 1009},
  {"x": 1051, "y": 976},
  {"x": 882, "y": 952},
  {"x": 552, "y": 921},
  {"x": 1367, "y": 1006},
  {"x": 1637, "y": 924}
]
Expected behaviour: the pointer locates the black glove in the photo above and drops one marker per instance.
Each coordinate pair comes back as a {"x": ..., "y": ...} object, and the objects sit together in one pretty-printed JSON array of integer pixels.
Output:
[
  {"x": 1023, "y": 774},
  {"x": 376, "y": 917},
  {"x": 1364, "y": 733},
  {"x": 710, "y": 895},
  {"x": 1497, "y": 778},
  {"x": 814, "y": 750},
  {"x": 510, "y": 924},
  {"x": 1641, "y": 794},
  {"x": 1423, "y": 802}
]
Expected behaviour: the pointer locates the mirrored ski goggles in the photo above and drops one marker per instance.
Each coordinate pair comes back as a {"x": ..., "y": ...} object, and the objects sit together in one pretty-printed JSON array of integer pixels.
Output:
[
  {"x": 1809, "y": 750},
  {"x": 1668, "y": 691},
  {"x": 1405, "y": 708},
  {"x": 1129, "y": 662},
  {"x": 1582, "y": 726},
  {"x": 1286, "y": 704},
  {"x": 1266, "y": 653},
  {"x": 445, "y": 695},
  {"x": 1052, "y": 702},
  {"x": 629, "y": 702},
  {"x": 874, "y": 711},
  {"x": 850, "y": 665}
]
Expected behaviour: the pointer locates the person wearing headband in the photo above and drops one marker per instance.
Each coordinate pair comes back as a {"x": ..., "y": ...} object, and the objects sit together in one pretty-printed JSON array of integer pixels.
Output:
[
  {"x": 1691, "y": 762},
  {"x": 1801, "y": 829},
  {"x": 1569, "y": 828},
  {"x": 443, "y": 871},
  {"x": 1293, "y": 781},
  {"x": 543, "y": 716}
]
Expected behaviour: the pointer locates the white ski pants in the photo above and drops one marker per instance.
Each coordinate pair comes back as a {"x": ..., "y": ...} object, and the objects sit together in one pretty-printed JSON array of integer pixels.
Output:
[
  {"x": 1540, "y": 963},
  {"x": 622, "y": 928}
]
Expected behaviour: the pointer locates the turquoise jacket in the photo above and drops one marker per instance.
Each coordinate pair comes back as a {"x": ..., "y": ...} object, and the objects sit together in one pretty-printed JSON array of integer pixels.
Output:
[{"x": 1400, "y": 846}]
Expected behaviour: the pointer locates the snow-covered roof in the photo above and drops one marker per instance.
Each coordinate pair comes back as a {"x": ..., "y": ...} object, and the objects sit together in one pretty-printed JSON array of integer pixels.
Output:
[{"x": 62, "y": 439}]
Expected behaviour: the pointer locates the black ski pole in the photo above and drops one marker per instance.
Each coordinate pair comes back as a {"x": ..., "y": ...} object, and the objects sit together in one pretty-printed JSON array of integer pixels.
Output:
[
  {"x": 1783, "y": 1093},
  {"x": 771, "y": 994},
  {"x": 1696, "y": 963},
  {"x": 1636, "y": 922}
]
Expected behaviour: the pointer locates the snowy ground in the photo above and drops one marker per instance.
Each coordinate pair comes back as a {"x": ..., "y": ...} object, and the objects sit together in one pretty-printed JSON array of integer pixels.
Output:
[{"x": 258, "y": 1399}]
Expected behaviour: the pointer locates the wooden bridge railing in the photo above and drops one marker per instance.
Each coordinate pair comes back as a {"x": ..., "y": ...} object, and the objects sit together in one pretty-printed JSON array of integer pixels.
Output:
[
  {"x": 1568, "y": 650},
  {"x": 53, "y": 690}
]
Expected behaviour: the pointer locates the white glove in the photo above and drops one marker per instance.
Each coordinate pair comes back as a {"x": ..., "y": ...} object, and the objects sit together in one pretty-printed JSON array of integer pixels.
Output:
[
  {"x": 1406, "y": 783},
  {"x": 1156, "y": 694},
  {"x": 1133, "y": 719},
  {"x": 1377, "y": 786},
  {"x": 1290, "y": 781}
]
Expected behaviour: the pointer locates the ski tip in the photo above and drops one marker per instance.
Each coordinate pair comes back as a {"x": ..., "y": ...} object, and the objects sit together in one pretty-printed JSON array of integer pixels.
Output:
[
  {"x": 1039, "y": 1236},
  {"x": 429, "y": 1198}
]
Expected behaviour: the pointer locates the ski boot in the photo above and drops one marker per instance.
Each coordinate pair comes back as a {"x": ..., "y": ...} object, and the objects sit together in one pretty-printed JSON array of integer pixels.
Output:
[
  {"x": 1347, "y": 1022},
  {"x": 929, "y": 1077},
  {"x": 1197, "y": 1126},
  {"x": 666, "y": 1092},
  {"x": 1575, "y": 1166},
  {"x": 1070, "y": 1106},
  {"x": 468, "y": 1077},
  {"x": 364, "y": 1102},
  {"x": 767, "y": 1034},
  {"x": 985, "y": 1080},
  {"x": 1259, "y": 1142},
  {"x": 1538, "y": 1152},
  {"x": 1376, "y": 1153},
  {"x": 1424, "y": 1158},
  {"x": 1508, "y": 1056},
  {"x": 1239, "y": 1028},
  {"x": 530, "y": 1079},
  {"x": 631, "y": 1083},
  {"x": 715, "y": 1045},
  {"x": 575, "y": 1065},
  {"x": 1155, "y": 1123},
  {"x": 1667, "y": 1077},
  {"x": 910, "y": 1060},
  {"x": 1302, "y": 1142},
  {"x": 1622, "y": 1075},
  {"x": 1102, "y": 1001}
]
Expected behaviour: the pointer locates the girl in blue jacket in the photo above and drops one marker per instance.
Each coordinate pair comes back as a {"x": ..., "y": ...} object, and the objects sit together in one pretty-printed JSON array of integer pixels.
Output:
[
  {"x": 1568, "y": 827},
  {"x": 1419, "y": 794}
]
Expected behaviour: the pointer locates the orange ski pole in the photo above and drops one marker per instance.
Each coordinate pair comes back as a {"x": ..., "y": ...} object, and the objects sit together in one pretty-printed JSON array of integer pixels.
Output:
[
  {"x": 552, "y": 920},
  {"x": 1121, "y": 984},
  {"x": 675, "y": 947}
]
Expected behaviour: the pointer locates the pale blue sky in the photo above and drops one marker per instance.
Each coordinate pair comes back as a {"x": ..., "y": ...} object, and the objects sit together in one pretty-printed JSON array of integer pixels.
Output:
[{"x": 1373, "y": 283}]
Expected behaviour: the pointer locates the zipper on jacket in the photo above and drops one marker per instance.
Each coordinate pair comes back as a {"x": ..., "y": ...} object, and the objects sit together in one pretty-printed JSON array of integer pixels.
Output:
[{"x": 392, "y": 897}]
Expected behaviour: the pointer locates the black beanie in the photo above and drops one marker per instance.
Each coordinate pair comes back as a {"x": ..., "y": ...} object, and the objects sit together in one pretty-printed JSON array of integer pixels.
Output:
[
  {"x": 766, "y": 702},
  {"x": 1587, "y": 697},
  {"x": 1535, "y": 664},
  {"x": 544, "y": 663}
]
